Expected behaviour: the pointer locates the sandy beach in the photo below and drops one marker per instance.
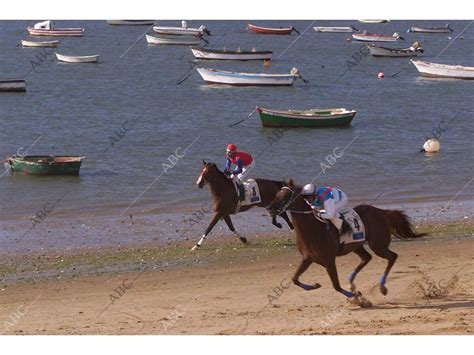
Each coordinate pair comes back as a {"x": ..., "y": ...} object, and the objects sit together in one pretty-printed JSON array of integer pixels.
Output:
[{"x": 229, "y": 288}]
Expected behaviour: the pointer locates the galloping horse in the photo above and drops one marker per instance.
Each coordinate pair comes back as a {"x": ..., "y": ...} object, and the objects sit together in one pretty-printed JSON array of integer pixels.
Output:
[
  {"x": 225, "y": 198},
  {"x": 318, "y": 240}
]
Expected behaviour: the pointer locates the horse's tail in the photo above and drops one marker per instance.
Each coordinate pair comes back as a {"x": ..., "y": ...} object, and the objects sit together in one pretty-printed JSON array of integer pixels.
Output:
[{"x": 402, "y": 225}]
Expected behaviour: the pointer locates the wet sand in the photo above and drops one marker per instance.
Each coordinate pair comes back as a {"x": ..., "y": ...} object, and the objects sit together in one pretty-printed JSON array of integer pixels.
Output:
[{"x": 229, "y": 288}]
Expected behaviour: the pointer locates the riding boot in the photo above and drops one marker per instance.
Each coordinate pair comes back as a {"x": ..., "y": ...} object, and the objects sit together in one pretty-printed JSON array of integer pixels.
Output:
[
  {"x": 241, "y": 188},
  {"x": 345, "y": 227}
]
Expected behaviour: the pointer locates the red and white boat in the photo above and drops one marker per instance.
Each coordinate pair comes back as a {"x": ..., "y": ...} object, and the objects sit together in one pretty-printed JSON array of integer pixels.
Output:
[
  {"x": 270, "y": 30},
  {"x": 375, "y": 37}
]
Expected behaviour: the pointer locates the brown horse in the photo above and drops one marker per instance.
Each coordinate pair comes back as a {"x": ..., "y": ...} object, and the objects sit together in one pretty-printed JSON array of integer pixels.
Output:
[
  {"x": 225, "y": 198},
  {"x": 318, "y": 240}
]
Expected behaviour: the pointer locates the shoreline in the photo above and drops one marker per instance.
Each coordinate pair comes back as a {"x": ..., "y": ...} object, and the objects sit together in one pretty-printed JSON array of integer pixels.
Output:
[{"x": 229, "y": 288}]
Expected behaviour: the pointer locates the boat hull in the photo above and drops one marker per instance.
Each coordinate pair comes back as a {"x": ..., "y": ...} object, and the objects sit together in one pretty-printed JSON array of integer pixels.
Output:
[
  {"x": 269, "y": 30},
  {"x": 44, "y": 165},
  {"x": 175, "y": 40},
  {"x": 50, "y": 44},
  {"x": 416, "y": 29},
  {"x": 12, "y": 85},
  {"x": 178, "y": 31},
  {"x": 57, "y": 32},
  {"x": 374, "y": 38},
  {"x": 130, "y": 22},
  {"x": 391, "y": 52},
  {"x": 77, "y": 59},
  {"x": 245, "y": 79},
  {"x": 200, "y": 53},
  {"x": 435, "y": 70},
  {"x": 319, "y": 118},
  {"x": 335, "y": 29}
]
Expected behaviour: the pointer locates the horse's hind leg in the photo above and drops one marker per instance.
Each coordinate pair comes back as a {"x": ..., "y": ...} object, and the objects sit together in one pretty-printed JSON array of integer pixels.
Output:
[
  {"x": 229, "y": 223},
  {"x": 211, "y": 225},
  {"x": 391, "y": 257},
  {"x": 305, "y": 263},
  {"x": 365, "y": 258},
  {"x": 284, "y": 215}
]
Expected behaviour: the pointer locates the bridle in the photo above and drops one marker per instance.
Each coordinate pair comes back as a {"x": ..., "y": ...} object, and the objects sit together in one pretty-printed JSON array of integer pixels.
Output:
[{"x": 292, "y": 198}]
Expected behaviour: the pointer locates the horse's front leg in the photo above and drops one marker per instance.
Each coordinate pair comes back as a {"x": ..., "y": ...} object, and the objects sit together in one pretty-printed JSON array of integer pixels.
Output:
[
  {"x": 305, "y": 263},
  {"x": 229, "y": 223},
  {"x": 211, "y": 225}
]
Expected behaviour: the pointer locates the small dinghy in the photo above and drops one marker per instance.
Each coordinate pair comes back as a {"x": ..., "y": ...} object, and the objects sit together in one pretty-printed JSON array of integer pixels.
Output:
[
  {"x": 26, "y": 43},
  {"x": 77, "y": 58}
]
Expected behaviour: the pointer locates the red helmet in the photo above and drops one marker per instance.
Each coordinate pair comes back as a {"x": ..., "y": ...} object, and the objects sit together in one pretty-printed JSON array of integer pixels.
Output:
[{"x": 231, "y": 148}]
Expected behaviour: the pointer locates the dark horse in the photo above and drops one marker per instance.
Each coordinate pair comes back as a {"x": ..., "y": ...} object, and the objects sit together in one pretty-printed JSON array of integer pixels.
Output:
[
  {"x": 225, "y": 198},
  {"x": 318, "y": 241}
]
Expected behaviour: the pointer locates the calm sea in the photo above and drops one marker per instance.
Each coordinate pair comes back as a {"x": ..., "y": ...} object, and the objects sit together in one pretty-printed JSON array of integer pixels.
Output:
[{"x": 77, "y": 109}]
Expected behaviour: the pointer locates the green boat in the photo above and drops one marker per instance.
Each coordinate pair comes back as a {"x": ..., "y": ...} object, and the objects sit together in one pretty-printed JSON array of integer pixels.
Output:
[
  {"x": 331, "y": 117},
  {"x": 44, "y": 164}
]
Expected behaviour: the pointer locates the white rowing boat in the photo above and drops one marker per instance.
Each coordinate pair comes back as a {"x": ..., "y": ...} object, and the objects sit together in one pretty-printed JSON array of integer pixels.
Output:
[
  {"x": 77, "y": 58},
  {"x": 418, "y": 29},
  {"x": 26, "y": 43},
  {"x": 182, "y": 31},
  {"x": 12, "y": 85},
  {"x": 336, "y": 29},
  {"x": 130, "y": 22},
  {"x": 214, "y": 76},
  {"x": 180, "y": 40},
  {"x": 374, "y": 21},
  {"x": 203, "y": 53},
  {"x": 437, "y": 70},
  {"x": 374, "y": 37}
]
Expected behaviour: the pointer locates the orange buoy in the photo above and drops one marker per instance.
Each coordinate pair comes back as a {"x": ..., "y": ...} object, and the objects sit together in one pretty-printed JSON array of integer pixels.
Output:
[{"x": 380, "y": 75}]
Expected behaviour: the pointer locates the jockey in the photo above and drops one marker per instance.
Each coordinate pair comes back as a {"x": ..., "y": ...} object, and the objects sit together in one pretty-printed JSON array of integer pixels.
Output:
[
  {"x": 328, "y": 201},
  {"x": 243, "y": 163}
]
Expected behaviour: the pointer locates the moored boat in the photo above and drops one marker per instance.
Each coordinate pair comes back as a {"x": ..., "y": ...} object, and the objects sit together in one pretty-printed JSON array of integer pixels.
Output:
[
  {"x": 182, "y": 31},
  {"x": 26, "y": 43},
  {"x": 378, "y": 51},
  {"x": 44, "y": 165},
  {"x": 77, "y": 58},
  {"x": 271, "y": 30},
  {"x": 336, "y": 29},
  {"x": 56, "y": 32},
  {"x": 374, "y": 37},
  {"x": 437, "y": 70},
  {"x": 130, "y": 22},
  {"x": 203, "y": 53},
  {"x": 214, "y": 76},
  {"x": 332, "y": 117},
  {"x": 418, "y": 29},
  {"x": 12, "y": 85},
  {"x": 179, "y": 40},
  {"x": 374, "y": 21}
]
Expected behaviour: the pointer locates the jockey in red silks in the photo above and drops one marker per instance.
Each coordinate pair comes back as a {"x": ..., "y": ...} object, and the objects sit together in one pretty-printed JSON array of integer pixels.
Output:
[
  {"x": 243, "y": 162},
  {"x": 327, "y": 201}
]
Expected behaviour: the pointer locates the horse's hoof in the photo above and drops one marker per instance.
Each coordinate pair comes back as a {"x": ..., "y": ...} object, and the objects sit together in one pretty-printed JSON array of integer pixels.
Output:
[
  {"x": 383, "y": 290},
  {"x": 353, "y": 287},
  {"x": 291, "y": 226},
  {"x": 365, "y": 303},
  {"x": 278, "y": 225},
  {"x": 244, "y": 240},
  {"x": 316, "y": 286},
  {"x": 195, "y": 247}
]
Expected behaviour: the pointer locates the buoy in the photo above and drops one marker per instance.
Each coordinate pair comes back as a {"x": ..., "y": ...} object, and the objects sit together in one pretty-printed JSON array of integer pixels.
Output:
[
  {"x": 431, "y": 146},
  {"x": 349, "y": 39},
  {"x": 380, "y": 75}
]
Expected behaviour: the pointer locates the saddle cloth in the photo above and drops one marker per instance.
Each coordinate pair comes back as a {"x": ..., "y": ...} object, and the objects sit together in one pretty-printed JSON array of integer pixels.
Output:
[
  {"x": 358, "y": 229},
  {"x": 252, "y": 193}
]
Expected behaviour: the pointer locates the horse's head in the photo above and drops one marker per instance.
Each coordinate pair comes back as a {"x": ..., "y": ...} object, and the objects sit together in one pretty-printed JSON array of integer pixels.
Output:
[
  {"x": 287, "y": 198},
  {"x": 208, "y": 172}
]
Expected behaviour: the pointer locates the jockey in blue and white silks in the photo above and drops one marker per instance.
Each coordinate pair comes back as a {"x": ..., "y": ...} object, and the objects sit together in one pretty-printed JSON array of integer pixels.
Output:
[{"x": 327, "y": 201}]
